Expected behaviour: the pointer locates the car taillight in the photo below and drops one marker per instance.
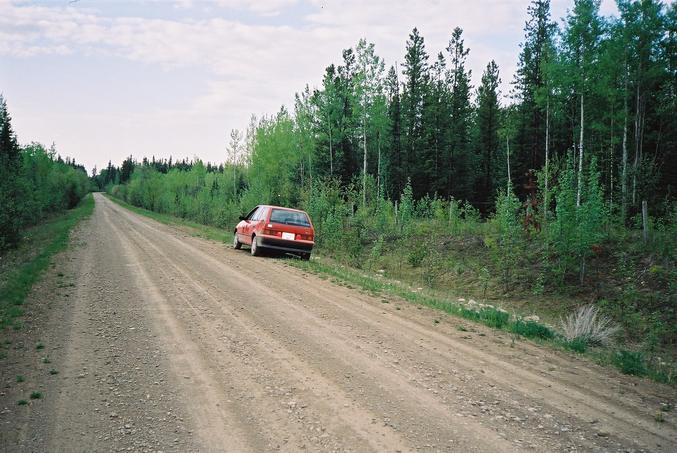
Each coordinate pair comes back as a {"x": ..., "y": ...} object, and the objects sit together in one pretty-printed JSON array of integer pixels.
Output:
[
  {"x": 272, "y": 233},
  {"x": 305, "y": 237}
]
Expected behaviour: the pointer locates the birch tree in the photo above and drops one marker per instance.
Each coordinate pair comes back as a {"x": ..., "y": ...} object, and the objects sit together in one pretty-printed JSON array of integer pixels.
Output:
[{"x": 581, "y": 40}]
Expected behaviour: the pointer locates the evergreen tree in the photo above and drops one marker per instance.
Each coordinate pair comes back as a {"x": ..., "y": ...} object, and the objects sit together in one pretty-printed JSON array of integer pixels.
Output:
[
  {"x": 10, "y": 166},
  {"x": 486, "y": 135},
  {"x": 460, "y": 160},
  {"x": 395, "y": 169},
  {"x": 530, "y": 141},
  {"x": 415, "y": 84},
  {"x": 436, "y": 116}
]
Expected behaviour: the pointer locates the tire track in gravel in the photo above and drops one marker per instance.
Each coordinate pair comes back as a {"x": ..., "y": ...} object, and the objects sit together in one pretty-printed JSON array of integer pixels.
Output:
[
  {"x": 476, "y": 438},
  {"x": 627, "y": 419},
  {"x": 351, "y": 417}
]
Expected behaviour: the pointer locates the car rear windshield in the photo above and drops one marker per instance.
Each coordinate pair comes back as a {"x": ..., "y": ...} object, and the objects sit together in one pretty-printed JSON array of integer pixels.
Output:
[{"x": 289, "y": 217}]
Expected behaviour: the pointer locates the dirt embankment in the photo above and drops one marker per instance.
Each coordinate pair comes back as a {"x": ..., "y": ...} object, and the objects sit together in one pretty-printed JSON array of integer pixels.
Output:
[{"x": 168, "y": 342}]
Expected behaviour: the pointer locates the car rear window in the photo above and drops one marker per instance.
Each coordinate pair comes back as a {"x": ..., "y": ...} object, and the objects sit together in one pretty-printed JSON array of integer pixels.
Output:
[{"x": 289, "y": 217}]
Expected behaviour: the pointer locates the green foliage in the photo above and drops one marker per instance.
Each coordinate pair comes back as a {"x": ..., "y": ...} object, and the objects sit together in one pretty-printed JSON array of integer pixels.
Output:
[
  {"x": 19, "y": 282},
  {"x": 33, "y": 183},
  {"x": 531, "y": 329},
  {"x": 630, "y": 362},
  {"x": 487, "y": 315},
  {"x": 576, "y": 229},
  {"x": 577, "y": 345},
  {"x": 507, "y": 240}
]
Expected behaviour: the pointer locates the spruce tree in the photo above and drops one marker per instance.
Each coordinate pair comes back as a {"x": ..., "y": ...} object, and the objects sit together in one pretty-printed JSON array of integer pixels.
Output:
[
  {"x": 461, "y": 164},
  {"x": 10, "y": 167},
  {"x": 416, "y": 80},
  {"x": 486, "y": 135}
]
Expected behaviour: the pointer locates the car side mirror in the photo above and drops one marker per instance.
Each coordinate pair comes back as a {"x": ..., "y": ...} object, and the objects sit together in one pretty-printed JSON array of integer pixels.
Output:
[{"x": 243, "y": 217}]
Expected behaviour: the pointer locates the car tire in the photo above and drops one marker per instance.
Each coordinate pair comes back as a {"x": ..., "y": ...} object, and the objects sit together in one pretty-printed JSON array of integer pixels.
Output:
[
  {"x": 305, "y": 257},
  {"x": 237, "y": 245},
  {"x": 254, "y": 248}
]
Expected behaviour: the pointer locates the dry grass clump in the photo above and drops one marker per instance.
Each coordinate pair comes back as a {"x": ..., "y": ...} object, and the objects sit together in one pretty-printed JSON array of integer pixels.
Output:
[{"x": 588, "y": 325}]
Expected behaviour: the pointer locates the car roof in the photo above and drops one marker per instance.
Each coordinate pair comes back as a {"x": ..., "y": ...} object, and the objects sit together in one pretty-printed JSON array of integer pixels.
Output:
[{"x": 281, "y": 207}]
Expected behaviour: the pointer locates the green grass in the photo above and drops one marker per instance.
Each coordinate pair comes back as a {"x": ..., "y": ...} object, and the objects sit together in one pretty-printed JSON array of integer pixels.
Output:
[
  {"x": 577, "y": 345},
  {"x": 36, "y": 395},
  {"x": 22, "y": 402},
  {"x": 20, "y": 378},
  {"x": 630, "y": 362},
  {"x": 39, "y": 346},
  {"x": 18, "y": 282},
  {"x": 199, "y": 230},
  {"x": 487, "y": 315}
]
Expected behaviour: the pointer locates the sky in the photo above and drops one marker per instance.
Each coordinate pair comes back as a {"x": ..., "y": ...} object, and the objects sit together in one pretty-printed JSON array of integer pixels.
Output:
[{"x": 105, "y": 79}]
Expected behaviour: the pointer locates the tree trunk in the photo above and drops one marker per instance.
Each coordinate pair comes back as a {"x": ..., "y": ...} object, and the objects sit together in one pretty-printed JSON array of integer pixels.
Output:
[
  {"x": 364, "y": 165},
  {"x": 378, "y": 170},
  {"x": 624, "y": 168},
  {"x": 611, "y": 164},
  {"x": 331, "y": 151},
  {"x": 645, "y": 221},
  {"x": 580, "y": 156},
  {"x": 547, "y": 159},
  {"x": 507, "y": 153},
  {"x": 637, "y": 141}
]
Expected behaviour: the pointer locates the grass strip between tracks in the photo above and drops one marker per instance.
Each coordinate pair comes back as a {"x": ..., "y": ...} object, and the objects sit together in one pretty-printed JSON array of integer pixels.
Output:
[
  {"x": 627, "y": 362},
  {"x": 42, "y": 242}
]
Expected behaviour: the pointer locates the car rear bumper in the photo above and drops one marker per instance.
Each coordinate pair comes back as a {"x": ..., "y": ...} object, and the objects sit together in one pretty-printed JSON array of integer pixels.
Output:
[{"x": 283, "y": 245}]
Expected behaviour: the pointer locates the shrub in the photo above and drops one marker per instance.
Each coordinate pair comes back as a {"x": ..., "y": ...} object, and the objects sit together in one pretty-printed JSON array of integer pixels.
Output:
[
  {"x": 630, "y": 362},
  {"x": 577, "y": 345},
  {"x": 531, "y": 329},
  {"x": 587, "y": 325}
]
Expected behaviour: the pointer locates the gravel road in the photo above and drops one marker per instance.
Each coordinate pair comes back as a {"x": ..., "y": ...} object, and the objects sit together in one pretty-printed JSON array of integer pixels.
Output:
[{"x": 155, "y": 340}]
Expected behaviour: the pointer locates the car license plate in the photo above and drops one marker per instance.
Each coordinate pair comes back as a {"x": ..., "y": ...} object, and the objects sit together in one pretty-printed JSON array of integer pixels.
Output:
[{"x": 288, "y": 236}]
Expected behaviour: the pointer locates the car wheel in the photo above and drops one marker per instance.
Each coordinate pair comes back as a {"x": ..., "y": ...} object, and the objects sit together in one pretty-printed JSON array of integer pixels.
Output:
[
  {"x": 254, "y": 248},
  {"x": 237, "y": 245},
  {"x": 305, "y": 257}
]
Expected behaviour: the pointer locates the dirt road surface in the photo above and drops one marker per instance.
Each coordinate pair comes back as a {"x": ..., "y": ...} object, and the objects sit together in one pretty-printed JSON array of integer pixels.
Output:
[{"x": 155, "y": 340}]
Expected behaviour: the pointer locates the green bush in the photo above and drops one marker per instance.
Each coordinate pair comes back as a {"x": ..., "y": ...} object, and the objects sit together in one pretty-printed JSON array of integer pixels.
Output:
[
  {"x": 577, "y": 345},
  {"x": 531, "y": 329},
  {"x": 630, "y": 362}
]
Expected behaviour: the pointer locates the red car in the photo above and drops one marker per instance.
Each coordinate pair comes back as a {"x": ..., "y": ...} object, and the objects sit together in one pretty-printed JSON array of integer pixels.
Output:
[{"x": 277, "y": 229}]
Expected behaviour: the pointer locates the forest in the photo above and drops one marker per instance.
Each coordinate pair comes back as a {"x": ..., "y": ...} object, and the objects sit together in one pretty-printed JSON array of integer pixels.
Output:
[
  {"x": 560, "y": 189},
  {"x": 34, "y": 183}
]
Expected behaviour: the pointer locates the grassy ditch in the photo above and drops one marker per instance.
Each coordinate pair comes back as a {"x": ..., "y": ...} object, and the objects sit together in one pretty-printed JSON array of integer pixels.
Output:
[
  {"x": 628, "y": 362},
  {"x": 39, "y": 245}
]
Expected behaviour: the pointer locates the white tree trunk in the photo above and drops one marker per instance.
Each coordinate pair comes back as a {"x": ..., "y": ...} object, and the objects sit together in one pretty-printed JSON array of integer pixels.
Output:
[
  {"x": 364, "y": 164},
  {"x": 507, "y": 153},
  {"x": 624, "y": 165},
  {"x": 580, "y": 158},
  {"x": 636, "y": 163},
  {"x": 547, "y": 160},
  {"x": 378, "y": 170}
]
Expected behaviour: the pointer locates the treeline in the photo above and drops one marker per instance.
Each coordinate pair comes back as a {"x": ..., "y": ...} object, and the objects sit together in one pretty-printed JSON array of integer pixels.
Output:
[
  {"x": 403, "y": 161},
  {"x": 34, "y": 182},
  {"x": 596, "y": 87}
]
